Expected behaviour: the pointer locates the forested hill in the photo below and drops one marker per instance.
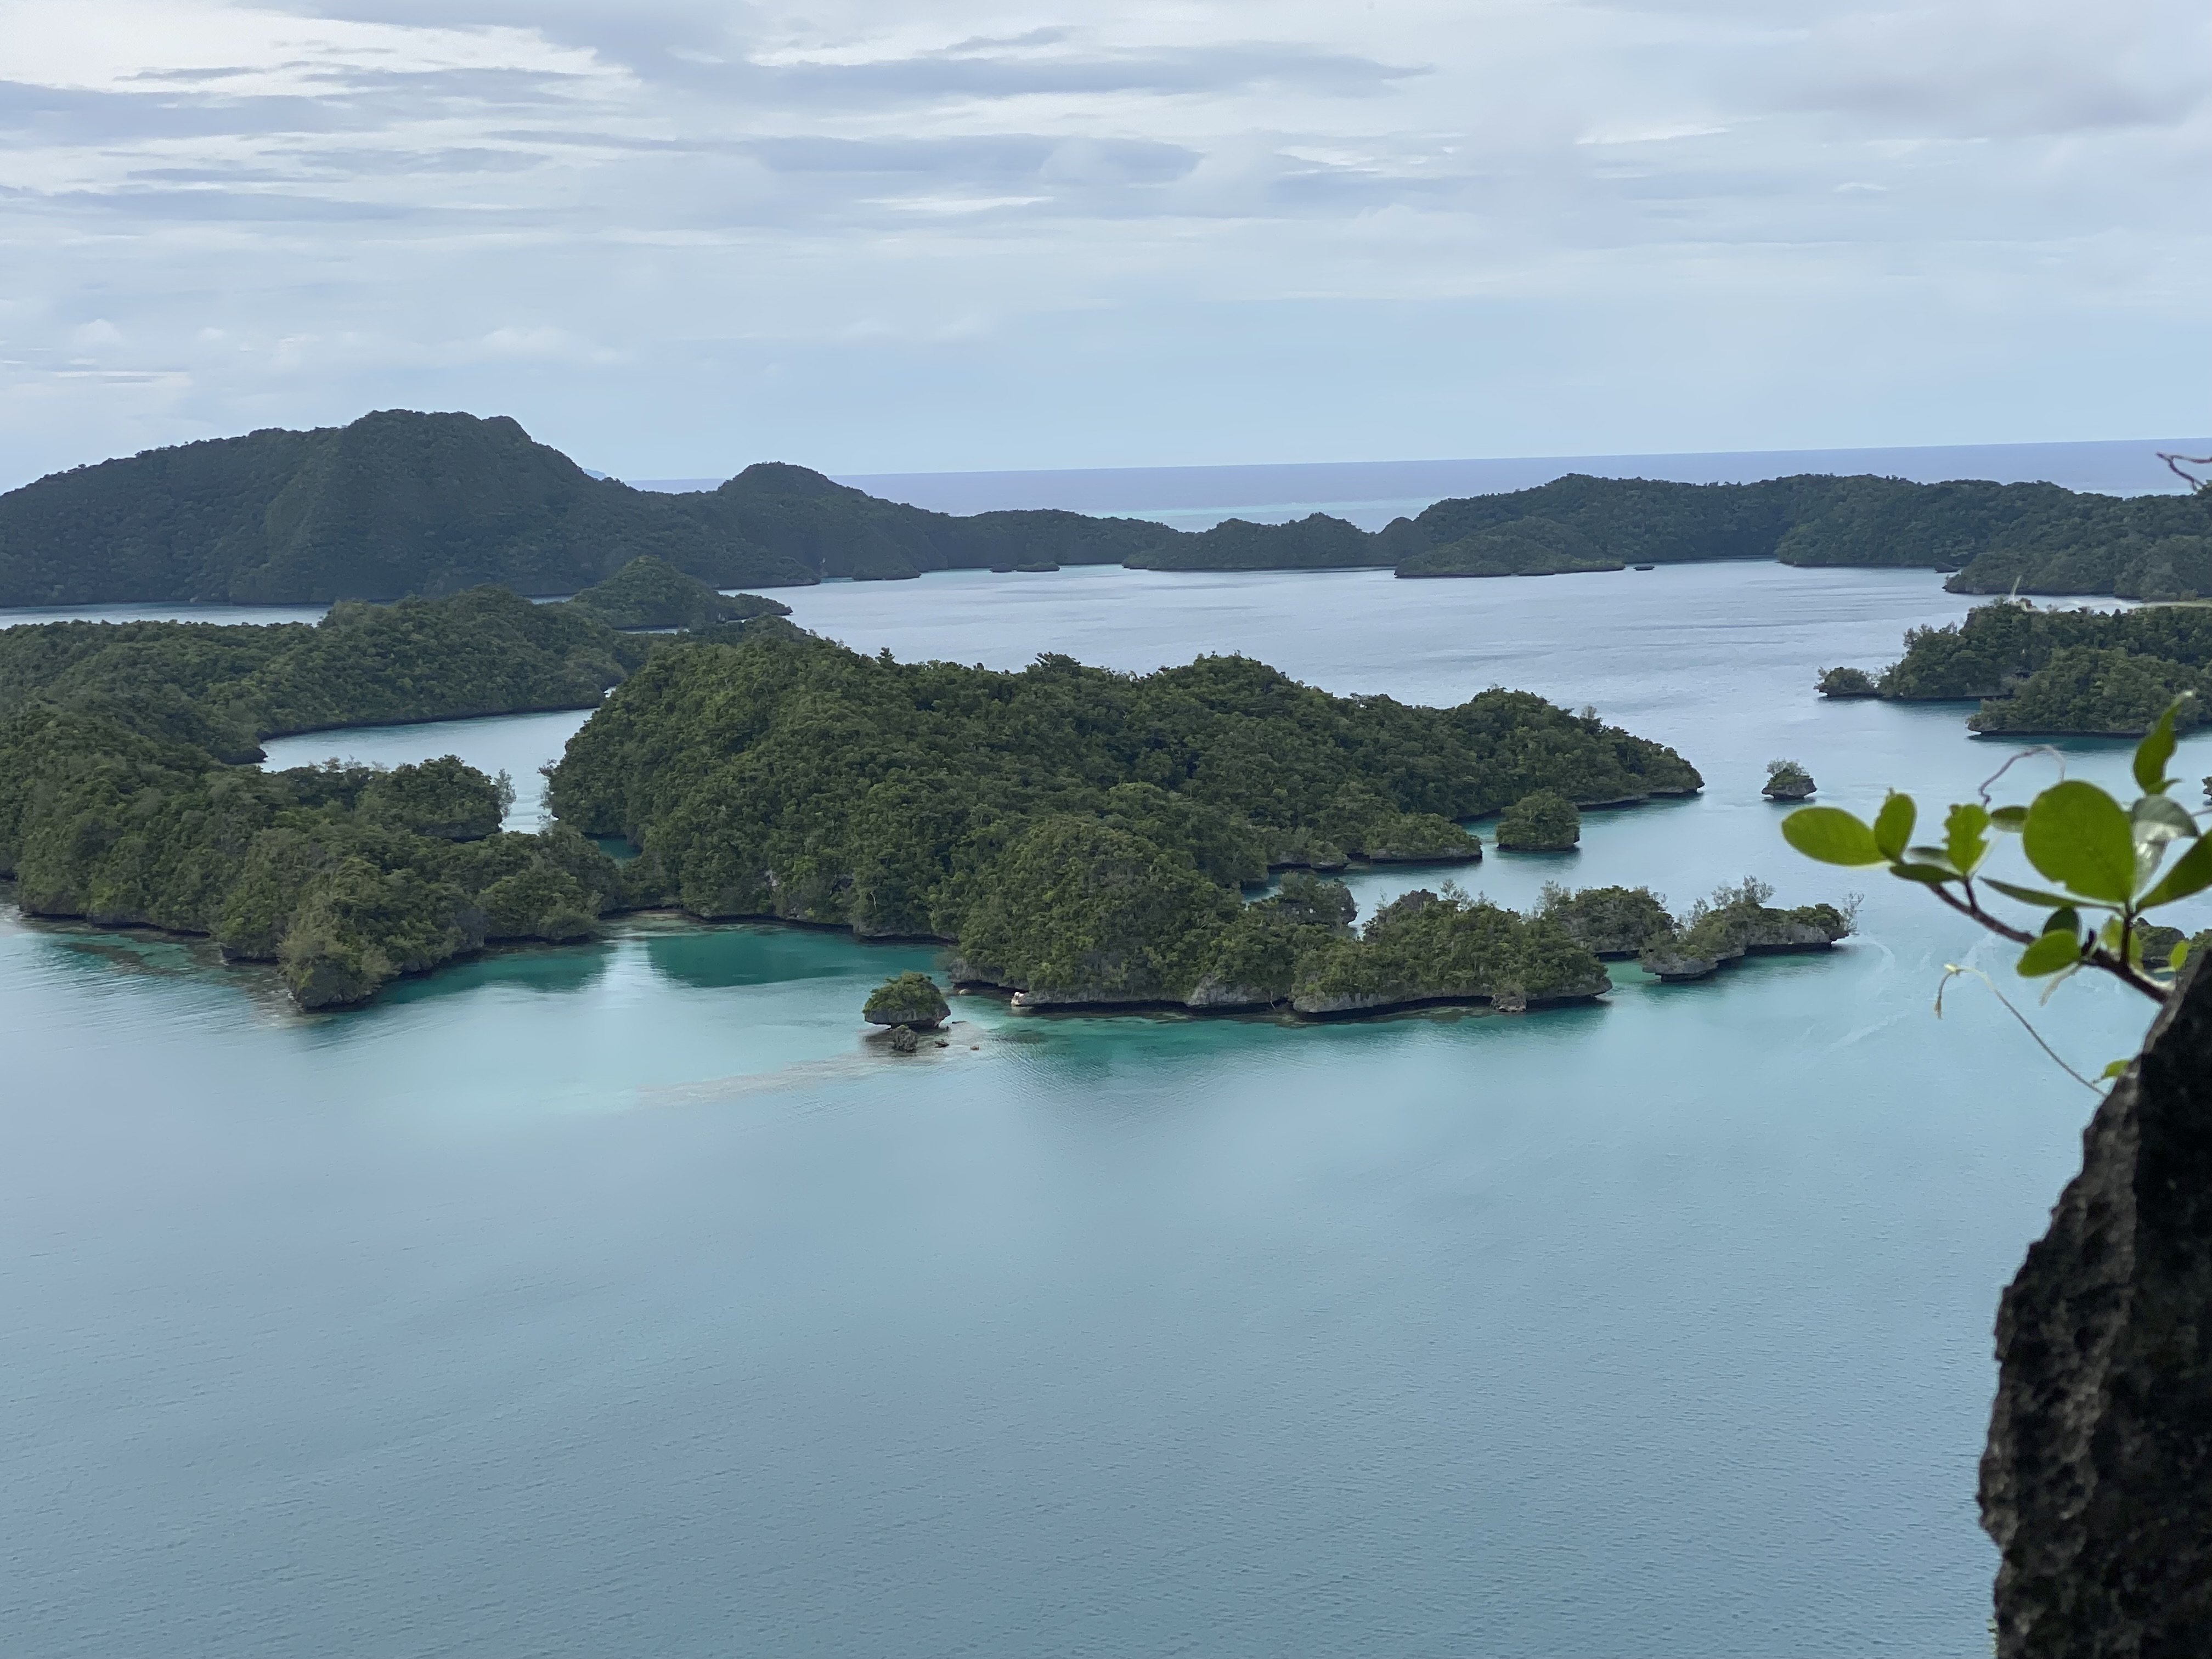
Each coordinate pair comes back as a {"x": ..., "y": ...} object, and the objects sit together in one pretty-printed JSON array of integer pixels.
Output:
[{"x": 404, "y": 503}]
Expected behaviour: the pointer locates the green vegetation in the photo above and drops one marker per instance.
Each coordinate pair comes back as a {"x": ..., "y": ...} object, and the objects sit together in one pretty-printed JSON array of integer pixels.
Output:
[
  {"x": 1317, "y": 542},
  {"x": 651, "y": 593},
  {"x": 1787, "y": 780},
  {"x": 395, "y": 503},
  {"x": 1533, "y": 546},
  {"x": 1735, "y": 922},
  {"x": 1612, "y": 923},
  {"x": 2104, "y": 867},
  {"x": 2061, "y": 672},
  {"x": 910, "y": 999},
  {"x": 1083, "y": 836},
  {"x": 1847, "y": 682},
  {"x": 2081, "y": 689},
  {"x": 1543, "y": 821},
  {"x": 222, "y": 689},
  {"x": 121, "y": 801},
  {"x": 399, "y": 502},
  {"x": 1425, "y": 947}
]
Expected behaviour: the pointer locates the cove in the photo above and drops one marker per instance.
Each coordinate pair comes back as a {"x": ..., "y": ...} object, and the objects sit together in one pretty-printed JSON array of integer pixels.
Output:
[{"x": 622, "y": 1297}]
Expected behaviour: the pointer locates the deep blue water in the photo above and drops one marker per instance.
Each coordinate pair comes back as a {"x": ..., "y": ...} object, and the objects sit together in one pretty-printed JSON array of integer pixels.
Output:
[{"x": 624, "y": 1299}]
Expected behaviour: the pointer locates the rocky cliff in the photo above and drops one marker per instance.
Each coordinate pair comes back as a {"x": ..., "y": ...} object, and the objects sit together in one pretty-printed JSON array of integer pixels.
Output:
[{"x": 2097, "y": 1483}]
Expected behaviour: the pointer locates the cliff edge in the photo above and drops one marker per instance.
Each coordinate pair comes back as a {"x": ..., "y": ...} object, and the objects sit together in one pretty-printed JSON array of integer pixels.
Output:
[{"x": 2097, "y": 1483}]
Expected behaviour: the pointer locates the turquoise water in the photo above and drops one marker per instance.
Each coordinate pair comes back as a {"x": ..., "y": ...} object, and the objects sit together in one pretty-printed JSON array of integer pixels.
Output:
[{"x": 626, "y": 1300}]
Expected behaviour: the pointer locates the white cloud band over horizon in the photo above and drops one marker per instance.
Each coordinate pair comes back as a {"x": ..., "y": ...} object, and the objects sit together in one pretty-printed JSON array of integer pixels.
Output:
[{"x": 673, "y": 237}]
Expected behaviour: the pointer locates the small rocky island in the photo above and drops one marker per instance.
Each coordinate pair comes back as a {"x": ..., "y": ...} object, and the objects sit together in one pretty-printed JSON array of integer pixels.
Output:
[
  {"x": 912, "y": 1000},
  {"x": 1787, "y": 780},
  {"x": 1737, "y": 922}
]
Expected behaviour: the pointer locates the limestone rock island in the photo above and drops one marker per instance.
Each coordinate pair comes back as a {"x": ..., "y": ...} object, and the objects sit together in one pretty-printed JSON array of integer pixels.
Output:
[{"x": 913, "y": 1000}]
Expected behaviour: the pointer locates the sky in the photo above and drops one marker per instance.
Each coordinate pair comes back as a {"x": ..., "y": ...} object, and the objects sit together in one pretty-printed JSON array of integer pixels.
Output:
[{"x": 673, "y": 237}]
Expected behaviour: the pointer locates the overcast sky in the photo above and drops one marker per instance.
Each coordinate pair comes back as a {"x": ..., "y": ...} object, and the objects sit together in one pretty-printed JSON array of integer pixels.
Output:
[{"x": 673, "y": 236}]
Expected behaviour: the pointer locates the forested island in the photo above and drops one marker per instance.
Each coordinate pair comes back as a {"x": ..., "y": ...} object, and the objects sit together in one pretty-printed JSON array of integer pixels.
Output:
[
  {"x": 400, "y": 503},
  {"x": 1081, "y": 838},
  {"x": 127, "y": 795},
  {"x": 2044, "y": 672}
]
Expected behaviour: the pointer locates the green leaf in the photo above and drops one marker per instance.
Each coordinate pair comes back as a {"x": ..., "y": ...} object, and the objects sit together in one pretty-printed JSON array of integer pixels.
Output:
[
  {"x": 1935, "y": 856},
  {"x": 2158, "y": 819},
  {"x": 2078, "y": 834},
  {"x": 2008, "y": 819},
  {"x": 1831, "y": 835},
  {"x": 2065, "y": 920},
  {"x": 1892, "y": 825},
  {"x": 1965, "y": 837},
  {"x": 2153, "y": 752},
  {"x": 2192, "y": 873},
  {"x": 2032, "y": 894},
  {"x": 2177, "y": 958},
  {"x": 1932, "y": 874},
  {"x": 2048, "y": 955},
  {"x": 2115, "y": 1068}
]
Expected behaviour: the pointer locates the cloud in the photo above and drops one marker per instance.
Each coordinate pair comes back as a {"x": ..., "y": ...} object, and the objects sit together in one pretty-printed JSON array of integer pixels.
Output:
[{"x": 728, "y": 215}]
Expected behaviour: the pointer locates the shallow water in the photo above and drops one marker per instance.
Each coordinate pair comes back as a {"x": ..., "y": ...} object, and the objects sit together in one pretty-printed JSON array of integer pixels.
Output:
[{"x": 624, "y": 1298}]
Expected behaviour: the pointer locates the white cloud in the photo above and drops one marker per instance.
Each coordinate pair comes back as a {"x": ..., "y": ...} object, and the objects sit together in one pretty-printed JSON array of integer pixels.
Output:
[{"x": 674, "y": 234}]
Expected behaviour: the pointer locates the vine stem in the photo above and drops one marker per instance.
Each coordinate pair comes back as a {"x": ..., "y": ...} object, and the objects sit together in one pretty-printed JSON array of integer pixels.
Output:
[{"x": 1952, "y": 970}]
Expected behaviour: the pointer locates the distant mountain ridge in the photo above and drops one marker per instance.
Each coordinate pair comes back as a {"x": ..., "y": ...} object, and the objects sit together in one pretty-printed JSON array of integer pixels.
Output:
[{"x": 400, "y": 502}]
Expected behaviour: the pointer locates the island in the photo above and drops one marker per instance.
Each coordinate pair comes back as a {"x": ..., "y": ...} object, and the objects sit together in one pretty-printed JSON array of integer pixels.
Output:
[
  {"x": 1787, "y": 781},
  {"x": 1736, "y": 923},
  {"x": 2041, "y": 670},
  {"x": 1087, "y": 840},
  {"x": 1080, "y": 839},
  {"x": 402, "y": 502},
  {"x": 128, "y": 798},
  {"x": 913, "y": 1000}
]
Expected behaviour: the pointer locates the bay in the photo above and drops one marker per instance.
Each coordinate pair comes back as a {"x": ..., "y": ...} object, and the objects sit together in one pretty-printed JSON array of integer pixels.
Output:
[{"x": 624, "y": 1297}]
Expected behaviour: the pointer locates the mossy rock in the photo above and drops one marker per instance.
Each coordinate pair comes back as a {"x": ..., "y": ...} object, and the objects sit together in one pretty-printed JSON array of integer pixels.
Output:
[{"x": 910, "y": 999}]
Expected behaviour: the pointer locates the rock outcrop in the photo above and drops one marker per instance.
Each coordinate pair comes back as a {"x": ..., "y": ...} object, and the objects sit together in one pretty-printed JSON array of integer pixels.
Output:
[
  {"x": 2097, "y": 1483},
  {"x": 1787, "y": 781},
  {"x": 1213, "y": 995},
  {"x": 907, "y": 1000}
]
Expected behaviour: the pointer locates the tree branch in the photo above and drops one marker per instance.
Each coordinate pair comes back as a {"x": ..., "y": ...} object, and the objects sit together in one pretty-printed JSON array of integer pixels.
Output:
[{"x": 2095, "y": 956}]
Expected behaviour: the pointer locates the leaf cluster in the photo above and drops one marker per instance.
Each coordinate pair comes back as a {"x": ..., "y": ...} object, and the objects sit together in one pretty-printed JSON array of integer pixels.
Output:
[{"x": 2104, "y": 866}]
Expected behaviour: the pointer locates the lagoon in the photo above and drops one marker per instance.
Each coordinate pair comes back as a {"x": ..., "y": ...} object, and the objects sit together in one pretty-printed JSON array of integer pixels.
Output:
[{"x": 623, "y": 1298}]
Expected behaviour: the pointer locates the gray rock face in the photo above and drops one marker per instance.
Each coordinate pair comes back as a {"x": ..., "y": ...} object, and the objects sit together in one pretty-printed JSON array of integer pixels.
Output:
[
  {"x": 1790, "y": 787},
  {"x": 2097, "y": 1483},
  {"x": 1506, "y": 999},
  {"x": 1783, "y": 937},
  {"x": 1668, "y": 963},
  {"x": 1212, "y": 995},
  {"x": 1088, "y": 996},
  {"x": 920, "y": 1016}
]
